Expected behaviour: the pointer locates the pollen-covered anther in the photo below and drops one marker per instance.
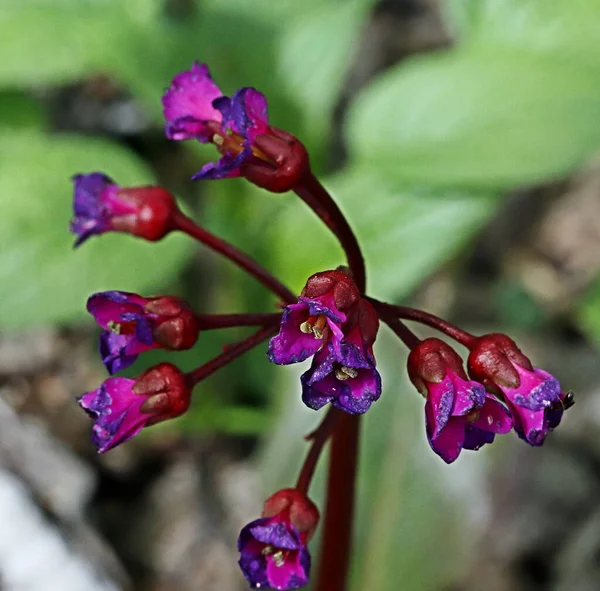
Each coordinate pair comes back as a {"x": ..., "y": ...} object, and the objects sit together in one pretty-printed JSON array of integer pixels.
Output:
[
  {"x": 113, "y": 327},
  {"x": 278, "y": 559},
  {"x": 267, "y": 550},
  {"x": 343, "y": 373},
  {"x": 218, "y": 140}
]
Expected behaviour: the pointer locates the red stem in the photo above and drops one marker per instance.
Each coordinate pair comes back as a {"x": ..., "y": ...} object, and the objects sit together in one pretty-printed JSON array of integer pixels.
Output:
[
  {"x": 337, "y": 529},
  {"x": 230, "y": 353},
  {"x": 459, "y": 335},
  {"x": 312, "y": 192},
  {"x": 319, "y": 438},
  {"x": 184, "y": 224},
  {"x": 215, "y": 321}
]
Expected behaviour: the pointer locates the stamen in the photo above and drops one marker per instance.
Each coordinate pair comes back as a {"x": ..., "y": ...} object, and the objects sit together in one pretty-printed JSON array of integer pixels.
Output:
[
  {"x": 343, "y": 373},
  {"x": 319, "y": 326},
  {"x": 306, "y": 327},
  {"x": 267, "y": 550},
  {"x": 278, "y": 558},
  {"x": 114, "y": 327},
  {"x": 218, "y": 139}
]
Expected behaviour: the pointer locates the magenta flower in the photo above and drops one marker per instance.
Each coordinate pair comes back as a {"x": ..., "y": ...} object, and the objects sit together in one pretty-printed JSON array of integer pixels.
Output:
[
  {"x": 273, "y": 552},
  {"x": 195, "y": 108},
  {"x": 100, "y": 205},
  {"x": 133, "y": 324},
  {"x": 122, "y": 407},
  {"x": 316, "y": 320},
  {"x": 534, "y": 396},
  {"x": 347, "y": 379},
  {"x": 459, "y": 414}
]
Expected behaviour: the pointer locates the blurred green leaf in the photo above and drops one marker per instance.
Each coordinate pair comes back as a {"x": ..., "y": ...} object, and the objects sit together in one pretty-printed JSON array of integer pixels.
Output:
[
  {"x": 477, "y": 118},
  {"x": 53, "y": 44},
  {"x": 565, "y": 28},
  {"x": 588, "y": 313},
  {"x": 20, "y": 111},
  {"x": 405, "y": 234},
  {"x": 314, "y": 54},
  {"x": 44, "y": 279}
]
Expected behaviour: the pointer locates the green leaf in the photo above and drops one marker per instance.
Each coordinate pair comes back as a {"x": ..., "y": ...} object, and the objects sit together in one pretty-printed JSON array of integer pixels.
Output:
[
  {"x": 20, "y": 111},
  {"x": 54, "y": 44},
  {"x": 564, "y": 28},
  {"x": 405, "y": 234},
  {"x": 588, "y": 313},
  {"x": 314, "y": 54},
  {"x": 477, "y": 118},
  {"x": 44, "y": 279}
]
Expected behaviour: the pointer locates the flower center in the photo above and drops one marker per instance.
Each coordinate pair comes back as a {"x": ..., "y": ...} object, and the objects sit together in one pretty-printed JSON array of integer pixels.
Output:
[
  {"x": 121, "y": 327},
  {"x": 316, "y": 325},
  {"x": 277, "y": 556},
  {"x": 343, "y": 372}
]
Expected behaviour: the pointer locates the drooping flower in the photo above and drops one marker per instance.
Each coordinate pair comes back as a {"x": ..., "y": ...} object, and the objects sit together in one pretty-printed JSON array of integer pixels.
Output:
[
  {"x": 133, "y": 324},
  {"x": 194, "y": 108},
  {"x": 316, "y": 320},
  {"x": 100, "y": 206},
  {"x": 273, "y": 549},
  {"x": 347, "y": 379},
  {"x": 533, "y": 396},
  {"x": 459, "y": 414},
  {"x": 122, "y": 407}
]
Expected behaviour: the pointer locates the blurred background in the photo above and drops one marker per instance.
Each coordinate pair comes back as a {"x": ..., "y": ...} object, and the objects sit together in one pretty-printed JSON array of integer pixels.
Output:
[{"x": 461, "y": 138}]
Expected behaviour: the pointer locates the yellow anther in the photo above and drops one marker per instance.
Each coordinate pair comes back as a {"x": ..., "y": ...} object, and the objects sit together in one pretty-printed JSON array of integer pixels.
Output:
[
  {"x": 113, "y": 327},
  {"x": 267, "y": 550},
  {"x": 343, "y": 373},
  {"x": 218, "y": 139},
  {"x": 278, "y": 558},
  {"x": 306, "y": 327}
]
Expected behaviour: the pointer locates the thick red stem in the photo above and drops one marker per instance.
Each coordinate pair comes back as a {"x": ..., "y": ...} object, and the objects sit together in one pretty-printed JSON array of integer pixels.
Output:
[
  {"x": 184, "y": 224},
  {"x": 230, "y": 353},
  {"x": 318, "y": 438},
  {"x": 459, "y": 335},
  {"x": 312, "y": 192},
  {"x": 341, "y": 484},
  {"x": 215, "y": 321}
]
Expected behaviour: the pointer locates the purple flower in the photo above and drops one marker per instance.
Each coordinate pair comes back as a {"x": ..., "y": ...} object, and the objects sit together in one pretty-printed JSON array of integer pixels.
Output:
[
  {"x": 349, "y": 380},
  {"x": 459, "y": 414},
  {"x": 133, "y": 324},
  {"x": 537, "y": 404},
  {"x": 127, "y": 327},
  {"x": 533, "y": 396},
  {"x": 195, "y": 108},
  {"x": 273, "y": 554},
  {"x": 95, "y": 204},
  {"x": 122, "y": 407},
  {"x": 316, "y": 320}
]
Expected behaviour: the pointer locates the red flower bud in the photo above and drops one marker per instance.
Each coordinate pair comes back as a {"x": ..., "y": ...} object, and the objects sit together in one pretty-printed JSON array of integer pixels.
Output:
[{"x": 301, "y": 511}]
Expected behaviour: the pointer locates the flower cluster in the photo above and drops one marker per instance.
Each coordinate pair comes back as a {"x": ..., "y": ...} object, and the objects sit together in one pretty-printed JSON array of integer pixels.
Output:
[{"x": 332, "y": 321}]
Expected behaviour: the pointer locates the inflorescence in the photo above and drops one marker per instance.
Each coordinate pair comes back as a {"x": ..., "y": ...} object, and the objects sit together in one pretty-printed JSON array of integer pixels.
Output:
[{"x": 332, "y": 321}]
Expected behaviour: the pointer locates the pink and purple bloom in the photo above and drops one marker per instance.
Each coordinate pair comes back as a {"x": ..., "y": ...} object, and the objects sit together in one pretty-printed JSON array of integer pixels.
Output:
[
  {"x": 133, "y": 325},
  {"x": 316, "y": 320},
  {"x": 122, "y": 407},
  {"x": 194, "y": 108},
  {"x": 533, "y": 396},
  {"x": 347, "y": 379},
  {"x": 273, "y": 549},
  {"x": 100, "y": 206},
  {"x": 459, "y": 414}
]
